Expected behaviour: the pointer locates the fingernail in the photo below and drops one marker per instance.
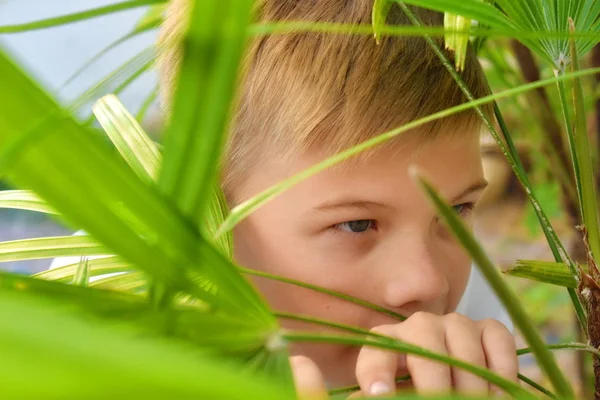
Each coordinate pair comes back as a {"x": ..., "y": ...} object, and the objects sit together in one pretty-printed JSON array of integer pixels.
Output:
[{"x": 379, "y": 388}]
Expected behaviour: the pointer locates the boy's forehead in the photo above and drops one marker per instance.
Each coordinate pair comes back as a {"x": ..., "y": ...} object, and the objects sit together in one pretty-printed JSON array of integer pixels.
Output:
[{"x": 455, "y": 159}]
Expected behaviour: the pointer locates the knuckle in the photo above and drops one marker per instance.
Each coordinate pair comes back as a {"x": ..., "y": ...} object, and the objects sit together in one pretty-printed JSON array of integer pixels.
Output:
[
  {"x": 421, "y": 318},
  {"x": 493, "y": 324},
  {"x": 458, "y": 319},
  {"x": 383, "y": 329}
]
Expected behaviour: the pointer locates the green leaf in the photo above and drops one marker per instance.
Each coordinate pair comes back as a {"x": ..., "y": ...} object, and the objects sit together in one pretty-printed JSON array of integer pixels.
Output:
[
  {"x": 118, "y": 79},
  {"x": 137, "y": 149},
  {"x": 153, "y": 17},
  {"x": 547, "y": 17},
  {"x": 472, "y": 9},
  {"x": 24, "y": 200},
  {"x": 544, "y": 271},
  {"x": 79, "y": 16},
  {"x": 342, "y": 296},
  {"x": 49, "y": 247},
  {"x": 396, "y": 345},
  {"x": 90, "y": 359},
  {"x": 150, "y": 99},
  {"x": 381, "y": 8},
  {"x": 212, "y": 52},
  {"x": 509, "y": 299},
  {"x": 96, "y": 267},
  {"x": 81, "y": 277},
  {"x": 142, "y": 155},
  {"x": 97, "y": 192},
  {"x": 247, "y": 207},
  {"x": 582, "y": 163}
]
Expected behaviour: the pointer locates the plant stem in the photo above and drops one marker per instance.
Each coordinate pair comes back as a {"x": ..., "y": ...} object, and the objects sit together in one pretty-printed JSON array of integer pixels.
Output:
[
  {"x": 511, "y": 154},
  {"x": 510, "y": 387},
  {"x": 537, "y": 386},
  {"x": 319, "y": 289},
  {"x": 509, "y": 299}
]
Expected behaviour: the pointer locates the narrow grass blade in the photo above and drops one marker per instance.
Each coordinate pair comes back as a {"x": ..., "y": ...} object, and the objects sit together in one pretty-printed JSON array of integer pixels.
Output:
[
  {"x": 76, "y": 17},
  {"x": 150, "y": 99},
  {"x": 142, "y": 155},
  {"x": 582, "y": 160},
  {"x": 351, "y": 299},
  {"x": 97, "y": 267},
  {"x": 543, "y": 271},
  {"x": 472, "y": 9},
  {"x": 510, "y": 300},
  {"x": 97, "y": 192},
  {"x": 118, "y": 354},
  {"x": 24, "y": 200},
  {"x": 249, "y": 206},
  {"x": 565, "y": 346},
  {"x": 137, "y": 149},
  {"x": 104, "y": 51},
  {"x": 212, "y": 50},
  {"x": 59, "y": 246},
  {"x": 537, "y": 386},
  {"x": 508, "y": 149},
  {"x": 82, "y": 274},
  {"x": 381, "y": 8},
  {"x": 118, "y": 79},
  {"x": 511, "y": 388}
]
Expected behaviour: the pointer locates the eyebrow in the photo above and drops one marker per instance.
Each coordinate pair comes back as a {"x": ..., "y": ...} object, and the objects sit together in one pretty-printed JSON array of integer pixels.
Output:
[
  {"x": 476, "y": 187},
  {"x": 363, "y": 204},
  {"x": 351, "y": 203}
]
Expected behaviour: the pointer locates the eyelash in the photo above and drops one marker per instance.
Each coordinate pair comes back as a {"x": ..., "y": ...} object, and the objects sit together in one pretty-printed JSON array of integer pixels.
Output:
[
  {"x": 338, "y": 227},
  {"x": 464, "y": 210}
]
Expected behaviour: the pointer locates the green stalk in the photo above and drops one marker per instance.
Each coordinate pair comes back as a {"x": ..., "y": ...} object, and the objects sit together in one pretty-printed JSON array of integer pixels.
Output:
[
  {"x": 537, "y": 386},
  {"x": 76, "y": 17},
  {"x": 355, "y": 388},
  {"x": 141, "y": 114},
  {"x": 510, "y": 300},
  {"x": 512, "y": 156},
  {"x": 249, "y": 206},
  {"x": 586, "y": 185},
  {"x": 561, "y": 346},
  {"x": 24, "y": 200},
  {"x": 135, "y": 66},
  {"x": 82, "y": 274},
  {"x": 289, "y": 27},
  {"x": 511, "y": 388},
  {"x": 351, "y": 299}
]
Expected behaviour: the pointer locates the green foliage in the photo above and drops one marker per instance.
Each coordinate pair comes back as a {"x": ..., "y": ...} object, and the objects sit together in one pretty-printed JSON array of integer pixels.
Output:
[{"x": 179, "y": 319}]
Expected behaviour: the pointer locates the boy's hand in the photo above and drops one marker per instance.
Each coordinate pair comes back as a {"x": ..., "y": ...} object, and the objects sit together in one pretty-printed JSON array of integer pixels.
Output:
[{"x": 486, "y": 343}]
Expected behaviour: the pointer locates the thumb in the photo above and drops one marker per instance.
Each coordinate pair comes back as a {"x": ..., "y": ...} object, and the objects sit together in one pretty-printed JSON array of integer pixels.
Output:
[{"x": 309, "y": 381}]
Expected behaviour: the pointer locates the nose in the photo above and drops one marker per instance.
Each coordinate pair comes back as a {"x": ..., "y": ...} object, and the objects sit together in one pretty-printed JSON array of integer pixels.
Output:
[{"x": 412, "y": 278}]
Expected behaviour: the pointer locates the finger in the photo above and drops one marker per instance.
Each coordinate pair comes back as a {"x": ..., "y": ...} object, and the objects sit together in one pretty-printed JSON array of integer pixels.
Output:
[
  {"x": 308, "y": 379},
  {"x": 463, "y": 341},
  {"x": 500, "y": 350},
  {"x": 427, "y": 331},
  {"x": 376, "y": 368}
]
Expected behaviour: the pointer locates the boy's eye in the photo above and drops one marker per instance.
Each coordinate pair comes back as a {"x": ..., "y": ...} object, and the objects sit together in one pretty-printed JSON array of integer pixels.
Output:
[
  {"x": 356, "y": 226},
  {"x": 464, "y": 209}
]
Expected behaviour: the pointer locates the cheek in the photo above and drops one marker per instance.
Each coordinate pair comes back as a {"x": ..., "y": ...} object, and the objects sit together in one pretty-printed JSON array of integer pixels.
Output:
[
  {"x": 457, "y": 271},
  {"x": 281, "y": 251}
]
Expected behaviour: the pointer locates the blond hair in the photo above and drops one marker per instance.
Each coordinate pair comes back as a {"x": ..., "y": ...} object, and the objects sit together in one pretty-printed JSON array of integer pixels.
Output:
[{"x": 328, "y": 91}]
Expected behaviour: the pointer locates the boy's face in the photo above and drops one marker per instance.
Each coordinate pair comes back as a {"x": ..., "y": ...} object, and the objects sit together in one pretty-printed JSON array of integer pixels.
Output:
[{"x": 365, "y": 230}]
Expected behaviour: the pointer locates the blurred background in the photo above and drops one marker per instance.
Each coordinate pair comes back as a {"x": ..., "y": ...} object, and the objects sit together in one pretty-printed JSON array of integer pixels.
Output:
[
  {"x": 53, "y": 56},
  {"x": 505, "y": 222}
]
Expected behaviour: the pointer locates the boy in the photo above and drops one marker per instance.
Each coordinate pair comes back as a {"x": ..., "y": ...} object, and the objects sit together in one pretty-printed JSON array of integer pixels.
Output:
[{"x": 362, "y": 228}]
